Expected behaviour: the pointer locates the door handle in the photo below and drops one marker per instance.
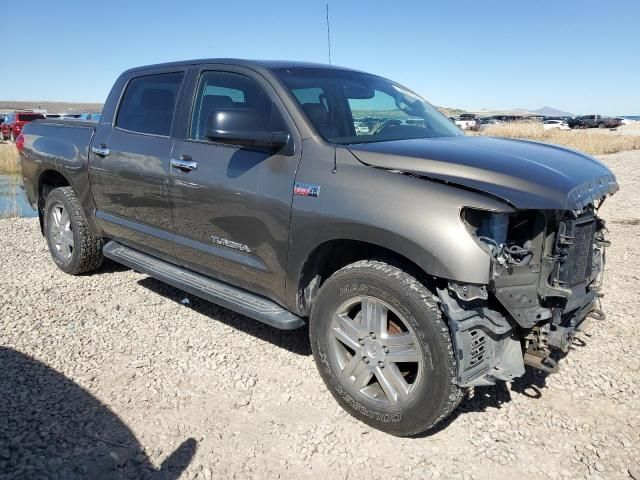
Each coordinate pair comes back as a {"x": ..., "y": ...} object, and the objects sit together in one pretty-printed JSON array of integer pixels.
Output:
[
  {"x": 101, "y": 151},
  {"x": 184, "y": 164}
]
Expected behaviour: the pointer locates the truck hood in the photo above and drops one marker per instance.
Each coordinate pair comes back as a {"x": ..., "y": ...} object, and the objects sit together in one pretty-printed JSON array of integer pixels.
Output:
[{"x": 522, "y": 173}]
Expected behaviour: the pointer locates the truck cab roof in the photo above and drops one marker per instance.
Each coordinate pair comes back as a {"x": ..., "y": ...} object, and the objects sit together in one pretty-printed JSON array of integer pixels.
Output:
[{"x": 266, "y": 64}]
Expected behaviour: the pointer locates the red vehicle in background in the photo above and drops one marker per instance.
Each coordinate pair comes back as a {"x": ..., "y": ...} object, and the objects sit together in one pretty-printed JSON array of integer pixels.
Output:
[{"x": 13, "y": 123}]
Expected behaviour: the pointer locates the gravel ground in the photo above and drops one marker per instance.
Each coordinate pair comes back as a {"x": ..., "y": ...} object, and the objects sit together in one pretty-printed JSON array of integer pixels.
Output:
[{"x": 115, "y": 375}]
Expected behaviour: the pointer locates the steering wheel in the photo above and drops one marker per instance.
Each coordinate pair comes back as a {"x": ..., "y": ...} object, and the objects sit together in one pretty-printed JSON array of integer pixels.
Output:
[{"x": 387, "y": 124}]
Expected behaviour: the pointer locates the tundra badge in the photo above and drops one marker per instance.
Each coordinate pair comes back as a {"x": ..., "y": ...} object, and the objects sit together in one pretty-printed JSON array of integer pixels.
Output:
[{"x": 228, "y": 243}]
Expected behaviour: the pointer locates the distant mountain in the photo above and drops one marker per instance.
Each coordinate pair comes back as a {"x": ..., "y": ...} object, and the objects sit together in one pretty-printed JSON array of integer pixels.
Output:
[
  {"x": 551, "y": 112},
  {"x": 450, "y": 111},
  {"x": 519, "y": 112}
]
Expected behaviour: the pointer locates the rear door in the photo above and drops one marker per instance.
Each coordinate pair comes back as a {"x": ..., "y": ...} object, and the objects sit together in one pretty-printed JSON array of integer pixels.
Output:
[
  {"x": 129, "y": 163},
  {"x": 231, "y": 211}
]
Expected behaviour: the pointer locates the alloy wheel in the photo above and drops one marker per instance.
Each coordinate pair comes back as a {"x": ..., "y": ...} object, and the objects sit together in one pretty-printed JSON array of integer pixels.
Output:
[
  {"x": 377, "y": 352},
  {"x": 61, "y": 232}
]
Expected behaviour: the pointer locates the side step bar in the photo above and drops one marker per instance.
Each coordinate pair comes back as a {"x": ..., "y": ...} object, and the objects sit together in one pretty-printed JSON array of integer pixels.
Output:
[{"x": 220, "y": 293}]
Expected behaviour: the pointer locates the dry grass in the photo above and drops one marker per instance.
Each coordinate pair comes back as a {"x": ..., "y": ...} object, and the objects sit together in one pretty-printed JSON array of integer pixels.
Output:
[
  {"x": 593, "y": 141},
  {"x": 9, "y": 162},
  {"x": 9, "y": 193}
]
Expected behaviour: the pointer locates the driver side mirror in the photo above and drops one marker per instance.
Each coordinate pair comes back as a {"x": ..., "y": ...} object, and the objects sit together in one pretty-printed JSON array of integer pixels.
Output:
[{"x": 243, "y": 127}]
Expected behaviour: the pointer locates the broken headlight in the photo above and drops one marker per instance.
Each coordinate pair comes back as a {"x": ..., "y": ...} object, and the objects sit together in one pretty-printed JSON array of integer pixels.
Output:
[{"x": 492, "y": 232}]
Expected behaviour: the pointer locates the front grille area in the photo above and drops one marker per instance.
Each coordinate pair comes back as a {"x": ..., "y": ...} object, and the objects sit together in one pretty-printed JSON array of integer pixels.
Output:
[{"x": 575, "y": 244}]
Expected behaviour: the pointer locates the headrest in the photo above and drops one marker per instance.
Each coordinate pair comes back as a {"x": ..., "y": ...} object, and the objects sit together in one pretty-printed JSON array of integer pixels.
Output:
[
  {"x": 157, "y": 99},
  {"x": 316, "y": 113},
  {"x": 216, "y": 102}
]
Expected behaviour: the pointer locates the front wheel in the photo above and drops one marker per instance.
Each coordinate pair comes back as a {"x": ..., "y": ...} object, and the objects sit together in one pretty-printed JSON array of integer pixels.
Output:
[
  {"x": 72, "y": 246},
  {"x": 383, "y": 348},
  {"x": 13, "y": 137}
]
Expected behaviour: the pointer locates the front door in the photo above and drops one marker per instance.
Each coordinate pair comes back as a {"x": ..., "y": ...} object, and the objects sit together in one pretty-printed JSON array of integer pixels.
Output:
[
  {"x": 232, "y": 204},
  {"x": 129, "y": 165}
]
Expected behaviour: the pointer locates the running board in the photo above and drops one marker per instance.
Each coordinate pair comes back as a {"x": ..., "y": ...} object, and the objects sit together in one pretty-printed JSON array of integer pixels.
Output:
[{"x": 220, "y": 293}]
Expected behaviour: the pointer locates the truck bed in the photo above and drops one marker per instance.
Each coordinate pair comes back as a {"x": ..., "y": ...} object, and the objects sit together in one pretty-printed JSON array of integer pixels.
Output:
[{"x": 60, "y": 145}]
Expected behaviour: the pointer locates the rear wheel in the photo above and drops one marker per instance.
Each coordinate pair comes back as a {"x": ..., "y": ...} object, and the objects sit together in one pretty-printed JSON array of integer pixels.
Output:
[
  {"x": 72, "y": 246},
  {"x": 383, "y": 348},
  {"x": 602, "y": 125}
]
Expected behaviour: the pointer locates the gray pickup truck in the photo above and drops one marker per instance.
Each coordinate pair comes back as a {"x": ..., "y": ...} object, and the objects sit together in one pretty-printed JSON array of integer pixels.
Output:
[{"x": 423, "y": 261}]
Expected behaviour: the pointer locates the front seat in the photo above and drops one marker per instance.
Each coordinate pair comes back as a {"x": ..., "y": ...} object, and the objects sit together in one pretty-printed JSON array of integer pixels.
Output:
[{"x": 319, "y": 117}]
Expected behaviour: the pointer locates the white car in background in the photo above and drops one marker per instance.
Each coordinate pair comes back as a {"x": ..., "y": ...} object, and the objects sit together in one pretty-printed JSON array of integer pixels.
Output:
[
  {"x": 555, "y": 125},
  {"x": 466, "y": 123}
]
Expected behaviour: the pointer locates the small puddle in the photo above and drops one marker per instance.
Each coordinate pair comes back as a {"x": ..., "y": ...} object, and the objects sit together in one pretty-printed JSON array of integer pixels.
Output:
[{"x": 13, "y": 199}]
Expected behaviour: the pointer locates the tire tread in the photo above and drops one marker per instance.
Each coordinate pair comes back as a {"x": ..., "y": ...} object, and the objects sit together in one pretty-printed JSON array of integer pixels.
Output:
[
  {"x": 90, "y": 247},
  {"x": 431, "y": 302}
]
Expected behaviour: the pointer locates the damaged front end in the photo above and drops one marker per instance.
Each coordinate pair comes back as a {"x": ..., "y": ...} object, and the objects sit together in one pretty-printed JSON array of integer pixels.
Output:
[{"x": 546, "y": 267}]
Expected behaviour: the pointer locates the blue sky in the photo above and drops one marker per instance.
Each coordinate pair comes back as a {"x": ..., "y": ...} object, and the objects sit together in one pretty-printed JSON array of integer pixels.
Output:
[{"x": 580, "y": 56}]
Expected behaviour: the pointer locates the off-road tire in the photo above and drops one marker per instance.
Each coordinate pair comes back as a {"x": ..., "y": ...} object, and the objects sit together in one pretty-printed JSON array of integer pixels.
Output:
[
  {"x": 12, "y": 137},
  {"x": 438, "y": 395},
  {"x": 87, "y": 254}
]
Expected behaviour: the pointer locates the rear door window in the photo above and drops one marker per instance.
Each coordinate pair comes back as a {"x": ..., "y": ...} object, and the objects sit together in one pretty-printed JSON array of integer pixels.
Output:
[{"x": 149, "y": 102}]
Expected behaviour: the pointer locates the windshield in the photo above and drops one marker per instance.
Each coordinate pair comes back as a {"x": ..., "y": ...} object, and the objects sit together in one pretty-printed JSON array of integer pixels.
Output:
[
  {"x": 28, "y": 117},
  {"x": 351, "y": 107}
]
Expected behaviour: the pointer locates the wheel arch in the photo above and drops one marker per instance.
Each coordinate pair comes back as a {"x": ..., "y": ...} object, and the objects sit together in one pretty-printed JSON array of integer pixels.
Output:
[
  {"x": 48, "y": 180},
  {"x": 330, "y": 255}
]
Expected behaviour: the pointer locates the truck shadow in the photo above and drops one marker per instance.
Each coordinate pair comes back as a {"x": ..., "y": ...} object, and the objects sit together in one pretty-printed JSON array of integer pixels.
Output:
[
  {"x": 108, "y": 266},
  {"x": 531, "y": 384},
  {"x": 51, "y": 427},
  {"x": 481, "y": 399},
  {"x": 295, "y": 341}
]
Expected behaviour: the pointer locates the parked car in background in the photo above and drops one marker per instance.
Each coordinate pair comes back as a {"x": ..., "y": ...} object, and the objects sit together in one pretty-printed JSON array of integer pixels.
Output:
[
  {"x": 14, "y": 122},
  {"x": 555, "y": 125},
  {"x": 89, "y": 116},
  {"x": 2, "y": 120},
  {"x": 488, "y": 122},
  {"x": 592, "y": 121},
  {"x": 467, "y": 122},
  {"x": 627, "y": 120},
  {"x": 631, "y": 118}
]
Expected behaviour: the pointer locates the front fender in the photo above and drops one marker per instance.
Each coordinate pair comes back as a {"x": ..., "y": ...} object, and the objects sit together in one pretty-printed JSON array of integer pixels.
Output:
[{"x": 416, "y": 218}]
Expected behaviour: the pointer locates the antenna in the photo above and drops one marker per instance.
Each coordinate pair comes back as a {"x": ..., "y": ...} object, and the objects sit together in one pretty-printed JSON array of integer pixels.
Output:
[{"x": 331, "y": 88}]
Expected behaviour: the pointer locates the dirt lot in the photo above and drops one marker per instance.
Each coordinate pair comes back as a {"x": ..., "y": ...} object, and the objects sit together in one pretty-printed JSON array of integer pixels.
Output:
[{"x": 115, "y": 375}]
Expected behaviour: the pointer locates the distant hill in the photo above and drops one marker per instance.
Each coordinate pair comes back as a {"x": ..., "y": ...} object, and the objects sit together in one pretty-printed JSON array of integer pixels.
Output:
[
  {"x": 489, "y": 113},
  {"x": 76, "y": 107},
  {"x": 50, "y": 107},
  {"x": 522, "y": 112},
  {"x": 551, "y": 112},
  {"x": 450, "y": 111}
]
